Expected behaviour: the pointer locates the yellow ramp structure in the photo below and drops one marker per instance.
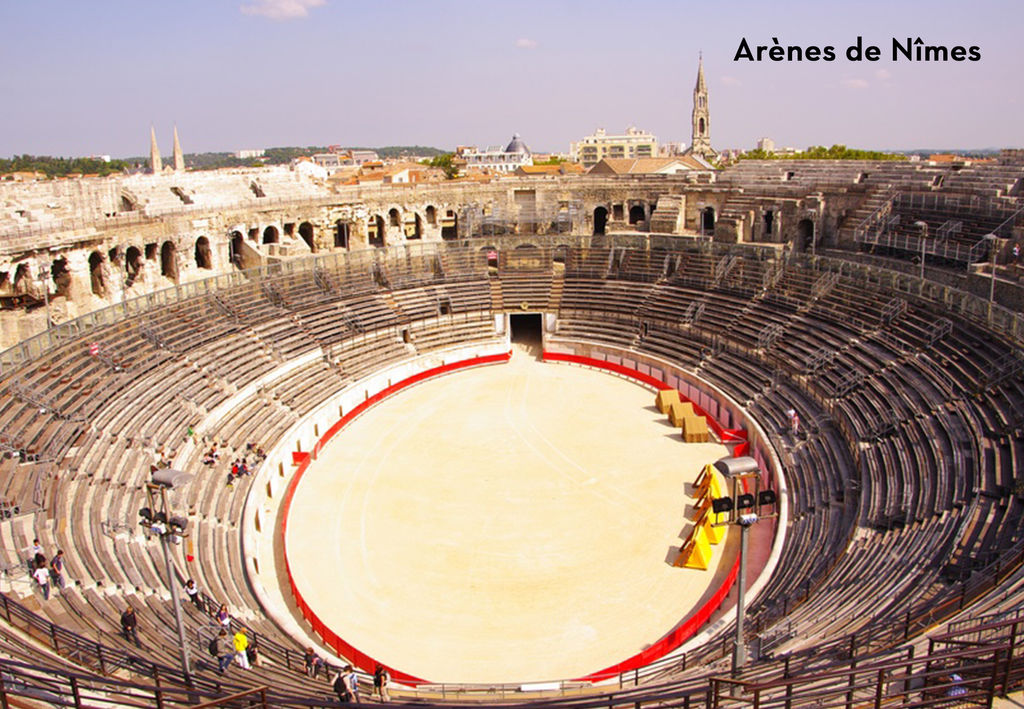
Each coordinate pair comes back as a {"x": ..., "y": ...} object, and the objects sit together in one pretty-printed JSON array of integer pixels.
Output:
[
  {"x": 665, "y": 399},
  {"x": 695, "y": 429},
  {"x": 678, "y": 412},
  {"x": 696, "y": 553}
]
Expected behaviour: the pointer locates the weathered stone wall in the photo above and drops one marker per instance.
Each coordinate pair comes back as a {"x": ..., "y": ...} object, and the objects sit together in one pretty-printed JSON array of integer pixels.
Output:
[{"x": 93, "y": 242}]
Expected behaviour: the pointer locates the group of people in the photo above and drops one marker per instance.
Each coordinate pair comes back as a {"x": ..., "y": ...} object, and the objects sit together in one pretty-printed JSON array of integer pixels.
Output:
[
  {"x": 346, "y": 684},
  {"x": 212, "y": 455},
  {"x": 46, "y": 572},
  {"x": 239, "y": 649},
  {"x": 346, "y": 681},
  {"x": 226, "y": 648},
  {"x": 247, "y": 463}
]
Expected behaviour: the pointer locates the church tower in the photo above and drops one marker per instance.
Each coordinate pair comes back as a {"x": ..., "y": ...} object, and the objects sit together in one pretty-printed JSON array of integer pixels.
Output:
[
  {"x": 155, "y": 163},
  {"x": 179, "y": 157},
  {"x": 700, "y": 138}
]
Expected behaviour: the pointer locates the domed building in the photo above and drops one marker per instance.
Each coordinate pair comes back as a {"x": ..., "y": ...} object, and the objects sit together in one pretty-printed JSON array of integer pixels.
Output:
[{"x": 515, "y": 155}]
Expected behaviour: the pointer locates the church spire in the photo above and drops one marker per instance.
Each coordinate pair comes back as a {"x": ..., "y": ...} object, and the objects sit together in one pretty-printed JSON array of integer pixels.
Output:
[
  {"x": 155, "y": 163},
  {"x": 179, "y": 158},
  {"x": 700, "y": 136},
  {"x": 701, "y": 86}
]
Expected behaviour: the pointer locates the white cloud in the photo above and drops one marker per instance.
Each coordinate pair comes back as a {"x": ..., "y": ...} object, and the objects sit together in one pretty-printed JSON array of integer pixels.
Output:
[
  {"x": 280, "y": 9},
  {"x": 731, "y": 81},
  {"x": 883, "y": 74},
  {"x": 524, "y": 43},
  {"x": 855, "y": 83}
]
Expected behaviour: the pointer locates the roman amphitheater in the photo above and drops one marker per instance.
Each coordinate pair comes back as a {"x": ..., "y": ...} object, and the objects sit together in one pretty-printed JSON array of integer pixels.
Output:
[{"x": 463, "y": 477}]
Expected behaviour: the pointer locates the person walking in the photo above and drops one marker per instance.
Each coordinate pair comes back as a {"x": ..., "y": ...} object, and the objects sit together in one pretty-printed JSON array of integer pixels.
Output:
[
  {"x": 340, "y": 686},
  {"x": 42, "y": 577},
  {"x": 218, "y": 650},
  {"x": 38, "y": 555},
  {"x": 129, "y": 626},
  {"x": 352, "y": 680},
  {"x": 241, "y": 644},
  {"x": 381, "y": 678},
  {"x": 57, "y": 569},
  {"x": 192, "y": 591}
]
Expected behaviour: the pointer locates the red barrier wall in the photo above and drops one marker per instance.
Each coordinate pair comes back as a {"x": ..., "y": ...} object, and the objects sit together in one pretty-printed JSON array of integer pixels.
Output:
[
  {"x": 659, "y": 649},
  {"x": 691, "y": 625},
  {"x": 302, "y": 461}
]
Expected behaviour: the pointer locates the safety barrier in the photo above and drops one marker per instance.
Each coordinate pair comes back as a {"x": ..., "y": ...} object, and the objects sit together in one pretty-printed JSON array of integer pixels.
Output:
[
  {"x": 691, "y": 625},
  {"x": 302, "y": 461}
]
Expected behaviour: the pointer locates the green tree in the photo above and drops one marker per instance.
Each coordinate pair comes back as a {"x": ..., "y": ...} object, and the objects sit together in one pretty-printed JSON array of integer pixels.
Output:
[{"x": 444, "y": 161}]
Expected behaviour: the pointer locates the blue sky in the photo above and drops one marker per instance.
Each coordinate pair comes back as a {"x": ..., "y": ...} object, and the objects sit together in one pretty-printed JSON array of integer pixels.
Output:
[{"x": 90, "y": 77}]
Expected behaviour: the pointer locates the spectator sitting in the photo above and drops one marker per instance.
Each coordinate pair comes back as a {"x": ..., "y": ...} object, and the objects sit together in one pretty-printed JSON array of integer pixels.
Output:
[
  {"x": 222, "y": 616},
  {"x": 253, "y": 653},
  {"x": 313, "y": 663}
]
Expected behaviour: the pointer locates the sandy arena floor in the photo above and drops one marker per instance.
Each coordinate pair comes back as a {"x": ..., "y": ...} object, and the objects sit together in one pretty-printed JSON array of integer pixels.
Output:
[{"x": 505, "y": 524}]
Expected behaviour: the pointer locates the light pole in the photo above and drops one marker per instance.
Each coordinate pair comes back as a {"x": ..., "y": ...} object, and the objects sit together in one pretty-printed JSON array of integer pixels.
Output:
[
  {"x": 159, "y": 520},
  {"x": 745, "y": 507},
  {"x": 923, "y": 226}
]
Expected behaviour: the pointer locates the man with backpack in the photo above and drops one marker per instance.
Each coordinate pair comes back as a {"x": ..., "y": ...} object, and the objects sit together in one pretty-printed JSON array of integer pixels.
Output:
[{"x": 217, "y": 651}]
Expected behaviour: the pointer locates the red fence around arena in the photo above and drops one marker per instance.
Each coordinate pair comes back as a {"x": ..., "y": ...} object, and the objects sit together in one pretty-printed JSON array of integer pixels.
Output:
[
  {"x": 659, "y": 649},
  {"x": 691, "y": 625},
  {"x": 302, "y": 460}
]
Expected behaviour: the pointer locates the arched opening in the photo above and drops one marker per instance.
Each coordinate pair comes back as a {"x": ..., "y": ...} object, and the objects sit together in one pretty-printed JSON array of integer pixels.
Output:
[
  {"x": 600, "y": 220},
  {"x": 61, "y": 276},
  {"x": 431, "y": 215},
  {"x": 23, "y": 276},
  {"x": 417, "y": 228},
  {"x": 270, "y": 235},
  {"x": 306, "y": 232},
  {"x": 132, "y": 264},
  {"x": 560, "y": 254},
  {"x": 804, "y": 234},
  {"x": 151, "y": 250},
  {"x": 394, "y": 218},
  {"x": 235, "y": 249},
  {"x": 707, "y": 220},
  {"x": 700, "y": 126},
  {"x": 450, "y": 226},
  {"x": 769, "y": 222},
  {"x": 97, "y": 280},
  {"x": 204, "y": 259},
  {"x": 636, "y": 214},
  {"x": 168, "y": 262},
  {"x": 340, "y": 235},
  {"x": 114, "y": 255},
  {"x": 376, "y": 231}
]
